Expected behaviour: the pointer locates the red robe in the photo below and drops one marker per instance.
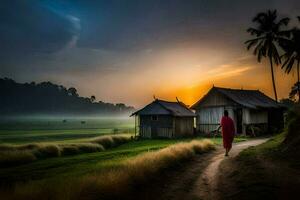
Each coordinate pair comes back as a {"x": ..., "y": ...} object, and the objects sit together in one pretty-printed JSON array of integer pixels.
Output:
[{"x": 228, "y": 131}]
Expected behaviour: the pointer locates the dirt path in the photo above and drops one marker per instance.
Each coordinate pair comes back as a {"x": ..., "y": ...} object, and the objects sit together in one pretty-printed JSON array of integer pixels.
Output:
[
  {"x": 197, "y": 180},
  {"x": 206, "y": 186}
]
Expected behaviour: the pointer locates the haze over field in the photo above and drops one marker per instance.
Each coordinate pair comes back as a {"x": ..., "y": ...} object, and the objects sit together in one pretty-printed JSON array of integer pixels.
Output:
[{"x": 126, "y": 52}]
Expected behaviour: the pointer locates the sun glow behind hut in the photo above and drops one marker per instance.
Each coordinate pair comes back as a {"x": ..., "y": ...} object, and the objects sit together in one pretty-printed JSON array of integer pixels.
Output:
[{"x": 165, "y": 119}]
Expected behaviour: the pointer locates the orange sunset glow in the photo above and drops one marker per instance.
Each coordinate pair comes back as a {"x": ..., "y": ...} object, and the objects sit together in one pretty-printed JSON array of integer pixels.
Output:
[
  {"x": 135, "y": 55},
  {"x": 184, "y": 74}
]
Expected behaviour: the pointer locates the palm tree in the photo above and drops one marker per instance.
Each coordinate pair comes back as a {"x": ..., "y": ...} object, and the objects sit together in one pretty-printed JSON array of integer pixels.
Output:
[
  {"x": 267, "y": 35},
  {"x": 295, "y": 91},
  {"x": 93, "y": 98},
  {"x": 291, "y": 56}
]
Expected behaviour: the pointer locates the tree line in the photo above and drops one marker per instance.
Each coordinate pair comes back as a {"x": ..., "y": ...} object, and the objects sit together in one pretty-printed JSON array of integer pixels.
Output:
[
  {"x": 49, "y": 98},
  {"x": 273, "y": 40}
]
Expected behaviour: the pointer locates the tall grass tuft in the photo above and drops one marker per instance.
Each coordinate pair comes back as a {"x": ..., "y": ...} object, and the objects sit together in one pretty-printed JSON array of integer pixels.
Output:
[
  {"x": 31, "y": 152},
  {"x": 110, "y": 141},
  {"x": 47, "y": 151},
  {"x": 10, "y": 158},
  {"x": 89, "y": 147}
]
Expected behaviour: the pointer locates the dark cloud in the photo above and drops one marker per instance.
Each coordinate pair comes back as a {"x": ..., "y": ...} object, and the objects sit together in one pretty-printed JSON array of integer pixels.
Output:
[
  {"x": 28, "y": 26},
  {"x": 49, "y": 25},
  {"x": 138, "y": 24}
]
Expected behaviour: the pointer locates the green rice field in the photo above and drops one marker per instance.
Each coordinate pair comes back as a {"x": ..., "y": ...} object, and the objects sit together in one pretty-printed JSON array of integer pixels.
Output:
[{"x": 28, "y": 130}]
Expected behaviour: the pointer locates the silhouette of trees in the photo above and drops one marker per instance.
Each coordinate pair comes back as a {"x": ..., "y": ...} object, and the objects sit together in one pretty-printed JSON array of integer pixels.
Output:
[
  {"x": 49, "y": 98},
  {"x": 268, "y": 33},
  {"x": 72, "y": 92},
  {"x": 291, "y": 57},
  {"x": 93, "y": 98},
  {"x": 121, "y": 106}
]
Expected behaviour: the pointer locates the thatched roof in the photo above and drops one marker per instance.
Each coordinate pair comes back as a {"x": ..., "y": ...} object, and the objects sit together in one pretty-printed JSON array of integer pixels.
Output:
[
  {"x": 254, "y": 99},
  {"x": 160, "y": 107}
]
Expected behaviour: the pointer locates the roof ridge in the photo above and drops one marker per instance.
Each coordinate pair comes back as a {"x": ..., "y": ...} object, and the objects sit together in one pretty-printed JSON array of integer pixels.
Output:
[
  {"x": 157, "y": 101},
  {"x": 181, "y": 104},
  {"x": 235, "y": 89},
  {"x": 165, "y": 101},
  {"x": 249, "y": 98}
]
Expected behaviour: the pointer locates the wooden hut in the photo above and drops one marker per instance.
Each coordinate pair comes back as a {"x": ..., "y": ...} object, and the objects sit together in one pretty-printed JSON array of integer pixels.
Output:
[
  {"x": 248, "y": 108},
  {"x": 164, "y": 119}
]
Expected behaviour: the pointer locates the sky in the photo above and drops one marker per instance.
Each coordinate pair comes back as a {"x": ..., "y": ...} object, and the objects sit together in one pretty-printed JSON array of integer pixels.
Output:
[{"x": 129, "y": 51}]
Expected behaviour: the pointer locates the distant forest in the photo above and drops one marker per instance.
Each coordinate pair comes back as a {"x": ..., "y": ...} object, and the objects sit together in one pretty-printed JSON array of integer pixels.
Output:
[{"x": 48, "y": 98}]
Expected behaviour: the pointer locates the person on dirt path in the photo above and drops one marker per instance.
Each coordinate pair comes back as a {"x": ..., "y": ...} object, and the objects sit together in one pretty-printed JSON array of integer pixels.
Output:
[{"x": 228, "y": 131}]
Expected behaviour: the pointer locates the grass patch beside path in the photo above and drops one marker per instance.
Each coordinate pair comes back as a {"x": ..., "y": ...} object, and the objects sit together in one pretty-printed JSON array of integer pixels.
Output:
[
  {"x": 14, "y": 155},
  {"x": 262, "y": 172},
  {"x": 116, "y": 182},
  {"x": 81, "y": 164}
]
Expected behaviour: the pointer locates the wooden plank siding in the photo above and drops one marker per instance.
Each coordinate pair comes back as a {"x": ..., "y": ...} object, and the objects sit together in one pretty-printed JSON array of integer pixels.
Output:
[
  {"x": 211, "y": 110},
  {"x": 251, "y": 116},
  {"x": 184, "y": 126},
  {"x": 165, "y": 132},
  {"x": 162, "y": 126},
  {"x": 208, "y": 119},
  {"x": 165, "y": 126},
  {"x": 145, "y": 131}
]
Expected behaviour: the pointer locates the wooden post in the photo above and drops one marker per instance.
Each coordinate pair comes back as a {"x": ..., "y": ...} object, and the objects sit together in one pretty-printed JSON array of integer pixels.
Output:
[
  {"x": 134, "y": 126},
  {"x": 173, "y": 135}
]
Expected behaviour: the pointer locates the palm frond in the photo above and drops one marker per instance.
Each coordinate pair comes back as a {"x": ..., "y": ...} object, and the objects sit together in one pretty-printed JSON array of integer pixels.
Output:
[
  {"x": 275, "y": 54},
  {"x": 289, "y": 66},
  {"x": 284, "y": 21},
  {"x": 253, "y": 42},
  {"x": 286, "y": 57},
  {"x": 260, "y": 55},
  {"x": 264, "y": 48},
  {"x": 254, "y": 31},
  {"x": 259, "y": 18},
  {"x": 258, "y": 47},
  {"x": 285, "y": 33}
]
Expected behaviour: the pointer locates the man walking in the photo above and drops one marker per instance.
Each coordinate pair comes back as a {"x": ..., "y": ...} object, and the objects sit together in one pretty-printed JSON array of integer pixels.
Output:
[{"x": 228, "y": 131}]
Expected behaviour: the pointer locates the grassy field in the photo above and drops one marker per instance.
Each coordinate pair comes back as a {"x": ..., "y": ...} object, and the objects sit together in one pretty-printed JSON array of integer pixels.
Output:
[
  {"x": 73, "y": 166},
  {"x": 58, "y": 169},
  {"x": 45, "y": 129}
]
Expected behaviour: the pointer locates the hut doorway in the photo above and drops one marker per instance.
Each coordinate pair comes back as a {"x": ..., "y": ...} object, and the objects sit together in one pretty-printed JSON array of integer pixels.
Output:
[{"x": 239, "y": 120}]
